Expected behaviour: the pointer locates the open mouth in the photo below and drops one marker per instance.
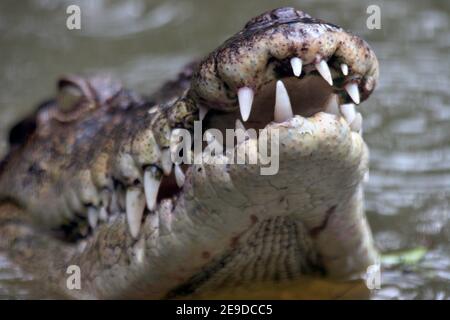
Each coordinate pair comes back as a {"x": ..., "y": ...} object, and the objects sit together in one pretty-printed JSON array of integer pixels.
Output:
[
  {"x": 280, "y": 100},
  {"x": 292, "y": 96}
]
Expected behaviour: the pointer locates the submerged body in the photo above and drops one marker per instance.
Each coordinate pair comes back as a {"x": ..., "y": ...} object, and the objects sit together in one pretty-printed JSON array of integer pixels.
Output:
[{"x": 89, "y": 180}]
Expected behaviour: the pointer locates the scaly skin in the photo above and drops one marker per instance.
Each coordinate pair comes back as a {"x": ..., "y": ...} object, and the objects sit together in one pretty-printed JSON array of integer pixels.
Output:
[{"x": 228, "y": 225}]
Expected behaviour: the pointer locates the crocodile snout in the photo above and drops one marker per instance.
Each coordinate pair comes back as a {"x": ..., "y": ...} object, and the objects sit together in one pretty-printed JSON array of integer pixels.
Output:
[{"x": 282, "y": 63}]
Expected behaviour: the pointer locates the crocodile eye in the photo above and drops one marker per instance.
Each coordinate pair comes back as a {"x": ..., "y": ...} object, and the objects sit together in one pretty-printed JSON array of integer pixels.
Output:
[
  {"x": 73, "y": 93},
  {"x": 69, "y": 96}
]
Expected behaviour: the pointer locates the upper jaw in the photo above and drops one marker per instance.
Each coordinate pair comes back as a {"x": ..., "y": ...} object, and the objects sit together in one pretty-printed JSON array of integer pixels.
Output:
[{"x": 284, "y": 43}]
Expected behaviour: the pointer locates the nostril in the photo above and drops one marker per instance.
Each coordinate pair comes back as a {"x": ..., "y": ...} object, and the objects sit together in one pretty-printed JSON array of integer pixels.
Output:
[
  {"x": 284, "y": 13},
  {"x": 281, "y": 15}
]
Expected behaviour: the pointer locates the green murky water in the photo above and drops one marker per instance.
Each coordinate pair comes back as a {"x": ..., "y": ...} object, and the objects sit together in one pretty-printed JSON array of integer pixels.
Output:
[{"x": 406, "y": 123}]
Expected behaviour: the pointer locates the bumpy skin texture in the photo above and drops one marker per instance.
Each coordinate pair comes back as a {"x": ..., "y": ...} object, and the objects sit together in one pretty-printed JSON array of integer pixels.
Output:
[
  {"x": 228, "y": 225},
  {"x": 260, "y": 53}
]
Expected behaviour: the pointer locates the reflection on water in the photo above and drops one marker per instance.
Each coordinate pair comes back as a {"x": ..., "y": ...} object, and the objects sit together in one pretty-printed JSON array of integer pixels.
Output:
[{"x": 146, "y": 42}]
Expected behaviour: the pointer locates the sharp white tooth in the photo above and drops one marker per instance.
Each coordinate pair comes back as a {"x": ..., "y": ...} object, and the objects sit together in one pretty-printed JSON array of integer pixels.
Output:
[
  {"x": 332, "y": 105},
  {"x": 344, "y": 69},
  {"x": 179, "y": 176},
  {"x": 352, "y": 90},
  {"x": 245, "y": 97},
  {"x": 135, "y": 205},
  {"x": 296, "y": 64},
  {"x": 166, "y": 161},
  {"x": 103, "y": 214},
  {"x": 114, "y": 205},
  {"x": 152, "y": 181},
  {"x": 202, "y": 111},
  {"x": 283, "y": 109},
  {"x": 356, "y": 124},
  {"x": 324, "y": 71},
  {"x": 140, "y": 250},
  {"x": 348, "y": 111},
  {"x": 105, "y": 201},
  {"x": 92, "y": 217}
]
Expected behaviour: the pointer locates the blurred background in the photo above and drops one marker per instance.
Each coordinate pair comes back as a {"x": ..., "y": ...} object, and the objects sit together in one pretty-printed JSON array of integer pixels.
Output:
[{"x": 144, "y": 43}]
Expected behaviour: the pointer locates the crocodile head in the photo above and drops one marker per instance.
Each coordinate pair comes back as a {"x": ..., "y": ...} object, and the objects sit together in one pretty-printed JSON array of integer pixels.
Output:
[{"x": 94, "y": 168}]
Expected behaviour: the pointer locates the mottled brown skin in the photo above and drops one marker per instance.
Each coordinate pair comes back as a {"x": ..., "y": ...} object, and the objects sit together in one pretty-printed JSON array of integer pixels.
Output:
[
  {"x": 260, "y": 53},
  {"x": 96, "y": 138},
  {"x": 86, "y": 138}
]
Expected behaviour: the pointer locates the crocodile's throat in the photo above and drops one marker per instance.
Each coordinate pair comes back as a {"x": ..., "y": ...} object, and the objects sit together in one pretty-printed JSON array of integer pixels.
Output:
[{"x": 101, "y": 172}]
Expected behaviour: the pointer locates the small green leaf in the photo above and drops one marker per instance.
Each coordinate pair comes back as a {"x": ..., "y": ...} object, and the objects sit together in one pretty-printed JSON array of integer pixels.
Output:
[{"x": 406, "y": 257}]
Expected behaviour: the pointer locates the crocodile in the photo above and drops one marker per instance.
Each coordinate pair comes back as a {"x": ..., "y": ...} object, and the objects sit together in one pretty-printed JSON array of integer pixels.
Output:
[{"x": 89, "y": 179}]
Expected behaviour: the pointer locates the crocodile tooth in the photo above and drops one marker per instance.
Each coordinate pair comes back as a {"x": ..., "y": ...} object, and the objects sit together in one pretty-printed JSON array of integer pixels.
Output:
[
  {"x": 324, "y": 70},
  {"x": 103, "y": 214},
  {"x": 140, "y": 251},
  {"x": 283, "y": 109},
  {"x": 332, "y": 105},
  {"x": 296, "y": 64},
  {"x": 352, "y": 90},
  {"x": 92, "y": 216},
  {"x": 105, "y": 200},
  {"x": 152, "y": 181},
  {"x": 166, "y": 161},
  {"x": 202, "y": 111},
  {"x": 152, "y": 110},
  {"x": 179, "y": 176},
  {"x": 356, "y": 124},
  {"x": 344, "y": 69},
  {"x": 348, "y": 111},
  {"x": 114, "y": 204},
  {"x": 135, "y": 206},
  {"x": 245, "y": 97}
]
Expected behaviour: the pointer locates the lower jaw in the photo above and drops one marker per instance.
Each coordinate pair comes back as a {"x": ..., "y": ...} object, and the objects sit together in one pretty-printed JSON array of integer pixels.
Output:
[
  {"x": 221, "y": 208},
  {"x": 331, "y": 234}
]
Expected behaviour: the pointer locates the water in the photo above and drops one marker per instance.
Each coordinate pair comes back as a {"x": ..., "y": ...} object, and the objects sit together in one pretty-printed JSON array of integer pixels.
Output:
[{"x": 406, "y": 122}]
